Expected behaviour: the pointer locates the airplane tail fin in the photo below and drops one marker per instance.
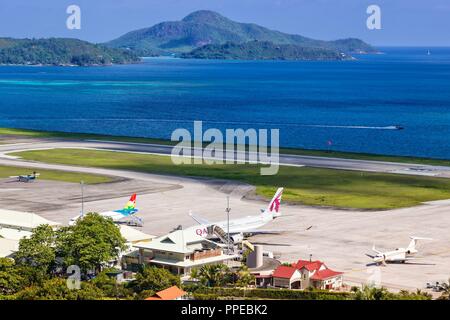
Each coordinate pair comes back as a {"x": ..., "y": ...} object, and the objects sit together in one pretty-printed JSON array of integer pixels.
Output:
[
  {"x": 198, "y": 219},
  {"x": 375, "y": 249},
  {"x": 131, "y": 204},
  {"x": 274, "y": 205},
  {"x": 413, "y": 243}
]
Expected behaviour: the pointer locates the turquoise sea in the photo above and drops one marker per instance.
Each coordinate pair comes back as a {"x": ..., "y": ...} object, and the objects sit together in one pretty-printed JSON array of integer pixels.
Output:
[{"x": 354, "y": 104}]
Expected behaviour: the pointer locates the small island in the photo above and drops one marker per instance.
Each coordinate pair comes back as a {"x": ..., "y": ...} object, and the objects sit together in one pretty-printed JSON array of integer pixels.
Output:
[
  {"x": 61, "y": 52},
  {"x": 209, "y": 35},
  {"x": 265, "y": 50}
]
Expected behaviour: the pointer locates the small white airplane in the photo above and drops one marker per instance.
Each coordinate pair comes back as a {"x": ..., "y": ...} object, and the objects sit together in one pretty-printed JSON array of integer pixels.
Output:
[
  {"x": 117, "y": 215},
  {"x": 399, "y": 255},
  {"x": 238, "y": 227}
]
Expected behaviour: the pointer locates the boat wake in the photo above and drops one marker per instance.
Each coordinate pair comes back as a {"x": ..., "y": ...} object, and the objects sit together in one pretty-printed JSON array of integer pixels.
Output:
[{"x": 234, "y": 123}]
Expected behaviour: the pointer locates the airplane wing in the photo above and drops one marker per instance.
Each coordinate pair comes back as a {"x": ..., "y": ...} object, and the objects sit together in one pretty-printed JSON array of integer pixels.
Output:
[
  {"x": 114, "y": 215},
  {"x": 198, "y": 219}
]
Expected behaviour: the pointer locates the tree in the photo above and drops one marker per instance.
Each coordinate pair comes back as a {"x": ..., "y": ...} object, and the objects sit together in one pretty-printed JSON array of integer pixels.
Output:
[
  {"x": 38, "y": 251},
  {"x": 154, "y": 279},
  {"x": 92, "y": 241},
  {"x": 446, "y": 291},
  {"x": 417, "y": 295},
  {"x": 109, "y": 286},
  {"x": 195, "y": 273},
  {"x": 371, "y": 293},
  {"x": 214, "y": 275},
  {"x": 11, "y": 281},
  {"x": 374, "y": 293},
  {"x": 57, "y": 289},
  {"x": 244, "y": 277}
]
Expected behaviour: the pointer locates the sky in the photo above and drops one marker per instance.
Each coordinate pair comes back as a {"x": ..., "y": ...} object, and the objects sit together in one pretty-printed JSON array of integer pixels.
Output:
[{"x": 403, "y": 22}]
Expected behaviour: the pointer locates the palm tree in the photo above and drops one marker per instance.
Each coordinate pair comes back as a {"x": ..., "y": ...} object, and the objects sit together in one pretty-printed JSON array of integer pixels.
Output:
[
  {"x": 213, "y": 275},
  {"x": 446, "y": 291},
  {"x": 194, "y": 273},
  {"x": 371, "y": 293},
  {"x": 245, "y": 278}
]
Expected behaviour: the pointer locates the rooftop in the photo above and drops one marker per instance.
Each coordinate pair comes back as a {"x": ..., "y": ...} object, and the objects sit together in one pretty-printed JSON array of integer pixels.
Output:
[
  {"x": 191, "y": 263},
  {"x": 321, "y": 271},
  {"x": 178, "y": 241},
  {"x": 22, "y": 220},
  {"x": 171, "y": 293},
  {"x": 309, "y": 265},
  {"x": 8, "y": 247},
  {"x": 14, "y": 234},
  {"x": 133, "y": 235},
  {"x": 325, "y": 274},
  {"x": 284, "y": 272}
]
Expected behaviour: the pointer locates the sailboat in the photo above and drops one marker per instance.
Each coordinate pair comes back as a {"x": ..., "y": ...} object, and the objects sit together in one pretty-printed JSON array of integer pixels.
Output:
[{"x": 429, "y": 53}]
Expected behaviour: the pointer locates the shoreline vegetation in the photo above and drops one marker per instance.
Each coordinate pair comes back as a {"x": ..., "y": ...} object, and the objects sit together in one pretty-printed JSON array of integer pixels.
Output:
[{"x": 61, "y": 52}]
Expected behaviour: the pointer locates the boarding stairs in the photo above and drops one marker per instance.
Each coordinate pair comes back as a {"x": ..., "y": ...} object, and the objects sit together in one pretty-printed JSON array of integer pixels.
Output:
[{"x": 221, "y": 234}]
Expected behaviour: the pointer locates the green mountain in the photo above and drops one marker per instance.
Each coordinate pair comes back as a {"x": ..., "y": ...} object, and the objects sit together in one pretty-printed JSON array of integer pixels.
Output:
[
  {"x": 263, "y": 50},
  {"x": 202, "y": 28},
  {"x": 61, "y": 51}
]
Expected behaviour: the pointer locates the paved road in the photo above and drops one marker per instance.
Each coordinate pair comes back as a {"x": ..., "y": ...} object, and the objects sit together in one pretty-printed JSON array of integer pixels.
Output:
[{"x": 292, "y": 160}]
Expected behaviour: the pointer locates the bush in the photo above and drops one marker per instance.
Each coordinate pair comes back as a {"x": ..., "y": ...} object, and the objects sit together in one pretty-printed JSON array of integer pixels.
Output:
[
  {"x": 155, "y": 279},
  {"x": 284, "y": 294}
]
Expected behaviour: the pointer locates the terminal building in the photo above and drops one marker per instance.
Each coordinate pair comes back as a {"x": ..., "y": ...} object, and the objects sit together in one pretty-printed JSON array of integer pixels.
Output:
[
  {"x": 179, "y": 252},
  {"x": 15, "y": 225}
]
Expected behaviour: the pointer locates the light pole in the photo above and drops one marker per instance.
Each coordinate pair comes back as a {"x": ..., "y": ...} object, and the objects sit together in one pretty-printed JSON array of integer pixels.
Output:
[{"x": 228, "y": 209}]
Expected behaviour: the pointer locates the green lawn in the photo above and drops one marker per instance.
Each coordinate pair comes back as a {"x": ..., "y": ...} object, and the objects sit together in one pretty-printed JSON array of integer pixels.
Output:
[
  {"x": 7, "y": 171},
  {"x": 25, "y": 133},
  {"x": 305, "y": 152},
  {"x": 311, "y": 186}
]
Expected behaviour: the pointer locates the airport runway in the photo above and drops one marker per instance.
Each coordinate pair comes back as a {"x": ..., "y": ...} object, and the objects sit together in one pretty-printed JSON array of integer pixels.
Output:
[
  {"x": 340, "y": 238},
  {"x": 292, "y": 160}
]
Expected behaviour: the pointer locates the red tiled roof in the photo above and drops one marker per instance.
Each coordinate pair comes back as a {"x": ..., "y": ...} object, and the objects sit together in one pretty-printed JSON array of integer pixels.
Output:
[
  {"x": 309, "y": 265},
  {"x": 284, "y": 272},
  {"x": 325, "y": 274},
  {"x": 168, "y": 294}
]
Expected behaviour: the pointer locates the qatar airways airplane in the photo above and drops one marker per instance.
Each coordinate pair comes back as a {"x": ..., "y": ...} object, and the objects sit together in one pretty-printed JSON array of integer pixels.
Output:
[{"x": 241, "y": 226}]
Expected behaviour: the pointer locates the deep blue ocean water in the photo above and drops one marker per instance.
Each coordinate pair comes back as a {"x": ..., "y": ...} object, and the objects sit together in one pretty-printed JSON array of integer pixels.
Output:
[{"x": 310, "y": 102}]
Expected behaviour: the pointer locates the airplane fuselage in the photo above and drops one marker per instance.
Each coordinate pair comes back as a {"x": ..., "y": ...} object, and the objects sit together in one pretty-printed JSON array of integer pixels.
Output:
[
  {"x": 393, "y": 256},
  {"x": 114, "y": 215},
  {"x": 397, "y": 255},
  {"x": 236, "y": 226}
]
